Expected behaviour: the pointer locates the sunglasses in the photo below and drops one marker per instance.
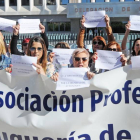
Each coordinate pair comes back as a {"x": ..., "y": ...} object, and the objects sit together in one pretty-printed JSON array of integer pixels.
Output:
[
  {"x": 33, "y": 49},
  {"x": 99, "y": 43},
  {"x": 83, "y": 58},
  {"x": 112, "y": 49},
  {"x": 25, "y": 44}
]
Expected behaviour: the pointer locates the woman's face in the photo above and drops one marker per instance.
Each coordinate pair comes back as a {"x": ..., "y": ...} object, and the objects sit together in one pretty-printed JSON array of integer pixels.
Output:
[
  {"x": 112, "y": 48},
  {"x": 97, "y": 45},
  {"x": 36, "y": 50},
  {"x": 137, "y": 47},
  {"x": 81, "y": 60},
  {"x": 58, "y": 47}
]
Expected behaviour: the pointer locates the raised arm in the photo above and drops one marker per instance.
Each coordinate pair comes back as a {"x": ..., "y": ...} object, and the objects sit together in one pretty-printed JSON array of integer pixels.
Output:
[
  {"x": 80, "y": 38},
  {"x": 124, "y": 41},
  {"x": 43, "y": 35},
  {"x": 13, "y": 44},
  {"x": 109, "y": 32}
]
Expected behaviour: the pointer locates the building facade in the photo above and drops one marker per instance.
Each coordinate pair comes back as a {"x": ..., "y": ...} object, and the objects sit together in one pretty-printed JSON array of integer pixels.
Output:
[{"x": 64, "y": 15}]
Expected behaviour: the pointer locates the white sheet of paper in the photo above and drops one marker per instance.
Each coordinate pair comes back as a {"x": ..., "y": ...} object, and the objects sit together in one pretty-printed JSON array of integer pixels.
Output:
[
  {"x": 7, "y": 25},
  {"x": 29, "y": 26},
  {"x": 63, "y": 56},
  {"x": 89, "y": 48},
  {"x": 135, "y": 62},
  {"x": 135, "y": 22},
  {"x": 22, "y": 65},
  {"x": 72, "y": 78},
  {"x": 108, "y": 60},
  {"x": 94, "y": 19}
]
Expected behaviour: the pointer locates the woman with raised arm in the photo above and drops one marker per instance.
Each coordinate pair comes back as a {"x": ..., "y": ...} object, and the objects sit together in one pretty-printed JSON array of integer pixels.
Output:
[
  {"x": 25, "y": 42},
  {"x": 80, "y": 39},
  {"x": 135, "y": 47}
]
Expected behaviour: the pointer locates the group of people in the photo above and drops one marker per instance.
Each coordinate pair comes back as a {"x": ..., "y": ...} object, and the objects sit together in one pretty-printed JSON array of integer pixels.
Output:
[{"x": 37, "y": 46}]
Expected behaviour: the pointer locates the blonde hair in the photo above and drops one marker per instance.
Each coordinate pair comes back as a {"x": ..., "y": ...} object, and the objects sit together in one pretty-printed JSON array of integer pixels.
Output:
[
  {"x": 80, "y": 50},
  {"x": 2, "y": 47}
]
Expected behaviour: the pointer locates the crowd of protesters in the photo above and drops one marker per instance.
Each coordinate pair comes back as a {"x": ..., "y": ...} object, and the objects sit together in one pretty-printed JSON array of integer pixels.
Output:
[{"x": 37, "y": 46}]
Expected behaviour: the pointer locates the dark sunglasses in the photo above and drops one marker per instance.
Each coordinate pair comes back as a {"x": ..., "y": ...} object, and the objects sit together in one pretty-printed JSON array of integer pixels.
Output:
[
  {"x": 33, "y": 49},
  {"x": 112, "y": 49},
  {"x": 25, "y": 44},
  {"x": 95, "y": 42},
  {"x": 83, "y": 58}
]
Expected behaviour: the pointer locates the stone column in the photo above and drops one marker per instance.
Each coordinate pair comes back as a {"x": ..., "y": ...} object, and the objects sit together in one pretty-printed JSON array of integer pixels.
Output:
[
  {"x": 18, "y": 5},
  {"x": 31, "y": 4},
  {"x": 6, "y": 2}
]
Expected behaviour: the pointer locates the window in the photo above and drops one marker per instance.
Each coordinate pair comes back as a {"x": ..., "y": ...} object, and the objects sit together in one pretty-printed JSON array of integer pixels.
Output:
[
  {"x": 62, "y": 26},
  {"x": 56, "y": 26},
  {"x": 118, "y": 27},
  {"x": 25, "y": 2},
  {"x": 50, "y": 26},
  {"x": 51, "y": 2},
  {"x": 37, "y": 2},
  {"x": 100, "y": 1},
  {"x": 85, "y": 1},
  {"x": 1, "y": 2},
  {"x": 13, "y": 2},
  {"x": 59, "y": 26},
  {"x": 128, "y": 0},
  {"x": 67, "y": 26},
  {"x": 114, "y": 0},
  {"x": 64, "y": 2}
]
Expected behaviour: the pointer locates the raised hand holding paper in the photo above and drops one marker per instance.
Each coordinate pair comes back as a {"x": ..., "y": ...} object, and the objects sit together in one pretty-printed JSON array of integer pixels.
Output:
[
  {"x": 22, "y": 65},
  {"x": 72, "y": 78},
  {"x": 108, "y": 60},
  {"x": 7, "y": 25},
  {"x": 63, "y": 56},
  {"x": 94, "y": 19},
  {"x": 29, "y": 26},
  {"x": 135, "y": 22},
  {"x": 89, "y": 48}
]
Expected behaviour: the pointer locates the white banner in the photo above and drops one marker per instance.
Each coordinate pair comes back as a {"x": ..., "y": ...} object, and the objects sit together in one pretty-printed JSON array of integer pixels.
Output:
[{"x": 31, "y": 108}]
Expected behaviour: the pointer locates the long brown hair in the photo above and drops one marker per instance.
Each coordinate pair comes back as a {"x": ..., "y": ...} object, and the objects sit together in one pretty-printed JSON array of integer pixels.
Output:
[{"x": 43, "y": 60}]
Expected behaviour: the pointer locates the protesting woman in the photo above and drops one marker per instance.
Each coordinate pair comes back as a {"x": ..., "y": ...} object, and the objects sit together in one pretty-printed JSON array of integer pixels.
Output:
[
  {"x": 37, "y": 48},
  {"x": 25, "y": 42},
  {"x": 81, "y": 59},
  {"x": 135, "y": 46}
]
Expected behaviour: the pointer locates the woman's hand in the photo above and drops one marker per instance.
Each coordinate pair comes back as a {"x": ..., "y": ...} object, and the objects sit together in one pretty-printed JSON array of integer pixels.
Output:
[
  {"x": 39, "y": 69},
  {"x": 9, "y": 69},
  {"x": 51, "y": 55},
  {"x": 55, "y": 76},
  {"x": 127, "y": 27},
  {"x": 107, "y": 20},
  {"x": 94, "y": 57},
  {"x": 42, "y": 28},
  {"x": 16, "y": 29},
  {"x": 123, "y": 60},
  {"x": 82, "y": 21},
  {"x": 90, "y": 75}
]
